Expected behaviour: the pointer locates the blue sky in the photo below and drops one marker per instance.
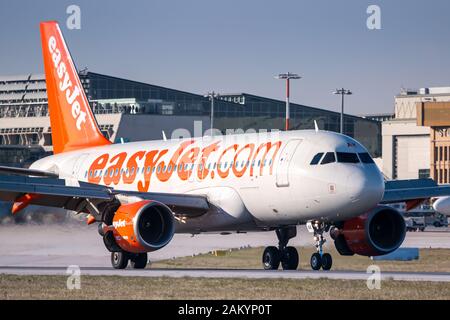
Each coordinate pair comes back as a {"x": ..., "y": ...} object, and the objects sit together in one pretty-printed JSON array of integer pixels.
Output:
[{"x": 238, "y": 46}]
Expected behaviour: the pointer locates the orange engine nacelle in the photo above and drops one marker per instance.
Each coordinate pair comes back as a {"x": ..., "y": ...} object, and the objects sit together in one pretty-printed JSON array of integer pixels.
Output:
[
  {"x": 143, "y": 226},
  {"x": 378, "y": 232}
]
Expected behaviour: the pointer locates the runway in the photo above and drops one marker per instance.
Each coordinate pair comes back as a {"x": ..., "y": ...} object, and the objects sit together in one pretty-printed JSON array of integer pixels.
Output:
[
  {"x": 72, "y": 244},
  {"x": 226, "y": 273},
  {"x": 49, "y": 249}
]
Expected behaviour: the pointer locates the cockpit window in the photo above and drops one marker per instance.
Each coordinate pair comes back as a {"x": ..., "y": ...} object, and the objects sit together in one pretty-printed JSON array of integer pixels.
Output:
[
  {"x": 329, "y": 158},
  {"x": 365, "y": 158},
  {"x": 316, "y": 158},
  {"x": 347, "y": 157}
]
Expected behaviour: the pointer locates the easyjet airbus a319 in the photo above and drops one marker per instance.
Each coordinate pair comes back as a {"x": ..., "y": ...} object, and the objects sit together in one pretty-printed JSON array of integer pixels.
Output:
[{"x": 142, "y": 193}]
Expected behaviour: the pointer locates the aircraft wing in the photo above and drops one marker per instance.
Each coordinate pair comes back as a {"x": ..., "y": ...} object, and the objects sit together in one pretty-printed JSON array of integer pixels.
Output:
[
  {"x": 82, "y": 197},
  {"x": 411, "y": 190},
  {"x": 27, "y": 172}
]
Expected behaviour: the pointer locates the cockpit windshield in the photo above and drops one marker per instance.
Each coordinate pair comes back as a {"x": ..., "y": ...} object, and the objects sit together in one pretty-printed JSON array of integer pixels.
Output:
[
  {"x": 316, "y": 158},
  {"x": 365, "y": 158},
  {"x": 341, "y": 157},
  {"x": 329, "y": 158},
  {"x": 347, "y": 157}
]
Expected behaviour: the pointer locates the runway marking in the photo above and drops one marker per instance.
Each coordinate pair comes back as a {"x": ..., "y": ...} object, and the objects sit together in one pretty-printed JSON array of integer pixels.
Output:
[{"x": 229, "y": 273}]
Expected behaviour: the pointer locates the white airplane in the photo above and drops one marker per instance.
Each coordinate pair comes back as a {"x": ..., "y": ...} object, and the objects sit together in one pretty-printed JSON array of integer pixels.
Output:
[
  {"x": 141, "y": 193},
  {"x": 442, "y": 205}
]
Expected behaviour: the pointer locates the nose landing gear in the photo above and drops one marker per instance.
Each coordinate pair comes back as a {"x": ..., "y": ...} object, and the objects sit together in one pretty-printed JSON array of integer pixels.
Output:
[
  {"x": 287, "y": 256},
  {"x": 320, "y": 259}
]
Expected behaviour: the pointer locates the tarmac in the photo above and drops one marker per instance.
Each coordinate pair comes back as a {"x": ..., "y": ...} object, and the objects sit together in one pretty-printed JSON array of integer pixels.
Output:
[{"x": 50, "y": 249}]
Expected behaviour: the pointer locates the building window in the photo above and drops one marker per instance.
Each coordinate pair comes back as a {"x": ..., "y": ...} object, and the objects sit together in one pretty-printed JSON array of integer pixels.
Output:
[{"x": 424, "y": 173}]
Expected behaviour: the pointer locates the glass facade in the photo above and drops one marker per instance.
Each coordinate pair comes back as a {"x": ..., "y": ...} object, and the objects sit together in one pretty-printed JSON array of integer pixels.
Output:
[
  {"x": 264, "y": 113},
  {"x": 20, "y": 156},
  {"x": 237, "y": 111}
]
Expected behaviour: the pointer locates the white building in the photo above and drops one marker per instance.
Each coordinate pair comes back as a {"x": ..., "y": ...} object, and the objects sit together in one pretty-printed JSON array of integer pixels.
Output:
[{"x": 405, "y": 145}]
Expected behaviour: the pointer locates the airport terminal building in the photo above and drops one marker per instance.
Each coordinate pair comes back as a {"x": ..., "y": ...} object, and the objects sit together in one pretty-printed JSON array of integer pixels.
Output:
[{"x": 128, "y": 110}]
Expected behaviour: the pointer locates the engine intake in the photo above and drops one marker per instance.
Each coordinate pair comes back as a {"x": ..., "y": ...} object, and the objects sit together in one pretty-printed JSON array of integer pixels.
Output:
[
  {"x": 375, "y": 233},
  {"x": 143, "y": 226}
]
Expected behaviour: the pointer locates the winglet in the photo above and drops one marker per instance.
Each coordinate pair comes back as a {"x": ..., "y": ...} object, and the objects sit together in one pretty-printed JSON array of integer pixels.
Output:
[
  {"x": 164, "y": 135},
  {"x": 72, "y": 121}
]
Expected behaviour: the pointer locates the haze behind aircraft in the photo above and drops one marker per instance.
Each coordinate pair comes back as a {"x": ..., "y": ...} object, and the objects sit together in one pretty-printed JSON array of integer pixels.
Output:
[{"x": 141, "y": 193}]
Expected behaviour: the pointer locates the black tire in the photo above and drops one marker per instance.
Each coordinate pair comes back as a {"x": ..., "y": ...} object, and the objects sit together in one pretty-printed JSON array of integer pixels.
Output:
[
  {"x": 327, "y": 261},
  {"x": 139, "y": 261},
  {"x": 289, "y": 259},
  {"x": 316, "y": 261},
  {"x": 271, "y": 258},
  {"x": 119, "y": 259}
]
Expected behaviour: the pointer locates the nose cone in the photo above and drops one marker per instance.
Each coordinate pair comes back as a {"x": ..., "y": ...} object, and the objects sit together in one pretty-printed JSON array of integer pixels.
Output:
[{"x": 365, "y": 187}]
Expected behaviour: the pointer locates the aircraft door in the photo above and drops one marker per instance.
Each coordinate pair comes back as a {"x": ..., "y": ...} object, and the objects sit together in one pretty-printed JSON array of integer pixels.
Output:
[
  {"x": 284, "y": 161},
  {"x": 77, "y": 169}
]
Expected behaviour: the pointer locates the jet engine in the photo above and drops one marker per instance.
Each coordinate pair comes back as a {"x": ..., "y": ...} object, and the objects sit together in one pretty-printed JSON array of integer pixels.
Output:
[
  {"x": 138, "y": 227},
  {"x": 378, "y": 232}
]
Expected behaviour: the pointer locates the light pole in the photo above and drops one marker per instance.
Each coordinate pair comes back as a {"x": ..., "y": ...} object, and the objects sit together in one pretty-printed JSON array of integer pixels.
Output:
[
  {"x": 287, "y": 76},
  {"x": 342, "y": 92},
  {"x": 212, "y": 95}
]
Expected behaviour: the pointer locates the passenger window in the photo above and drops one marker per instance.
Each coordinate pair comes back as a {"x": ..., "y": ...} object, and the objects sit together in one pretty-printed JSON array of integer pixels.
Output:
[
  {"x": 329, "y": 158},
  {"x": 316, "y": 158},
  {"x": 365, "y": 158},
  {"x": 347, "y": 157}
]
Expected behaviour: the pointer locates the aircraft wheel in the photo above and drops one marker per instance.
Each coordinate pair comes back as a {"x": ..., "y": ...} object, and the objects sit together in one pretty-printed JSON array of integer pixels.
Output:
[
  {"x": 327, "y": 261},
  {"x": 119, "y": 259},
  {"x": 316, "y": 261},
  {"x": 290, "y": 259},
  {"x": 271, "y": 258},
  {"x": 139, "y": 261}
]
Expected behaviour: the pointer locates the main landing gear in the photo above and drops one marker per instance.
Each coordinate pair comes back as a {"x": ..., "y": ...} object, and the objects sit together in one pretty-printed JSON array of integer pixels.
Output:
[
  {"x": 320, "y": 259},
  {"x": 119, "y": 260},
  {"x": 287, "y": 256}
]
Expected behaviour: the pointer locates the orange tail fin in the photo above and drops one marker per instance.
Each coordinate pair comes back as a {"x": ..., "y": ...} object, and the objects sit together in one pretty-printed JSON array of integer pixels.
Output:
[{"x": 72, "y": 121}]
